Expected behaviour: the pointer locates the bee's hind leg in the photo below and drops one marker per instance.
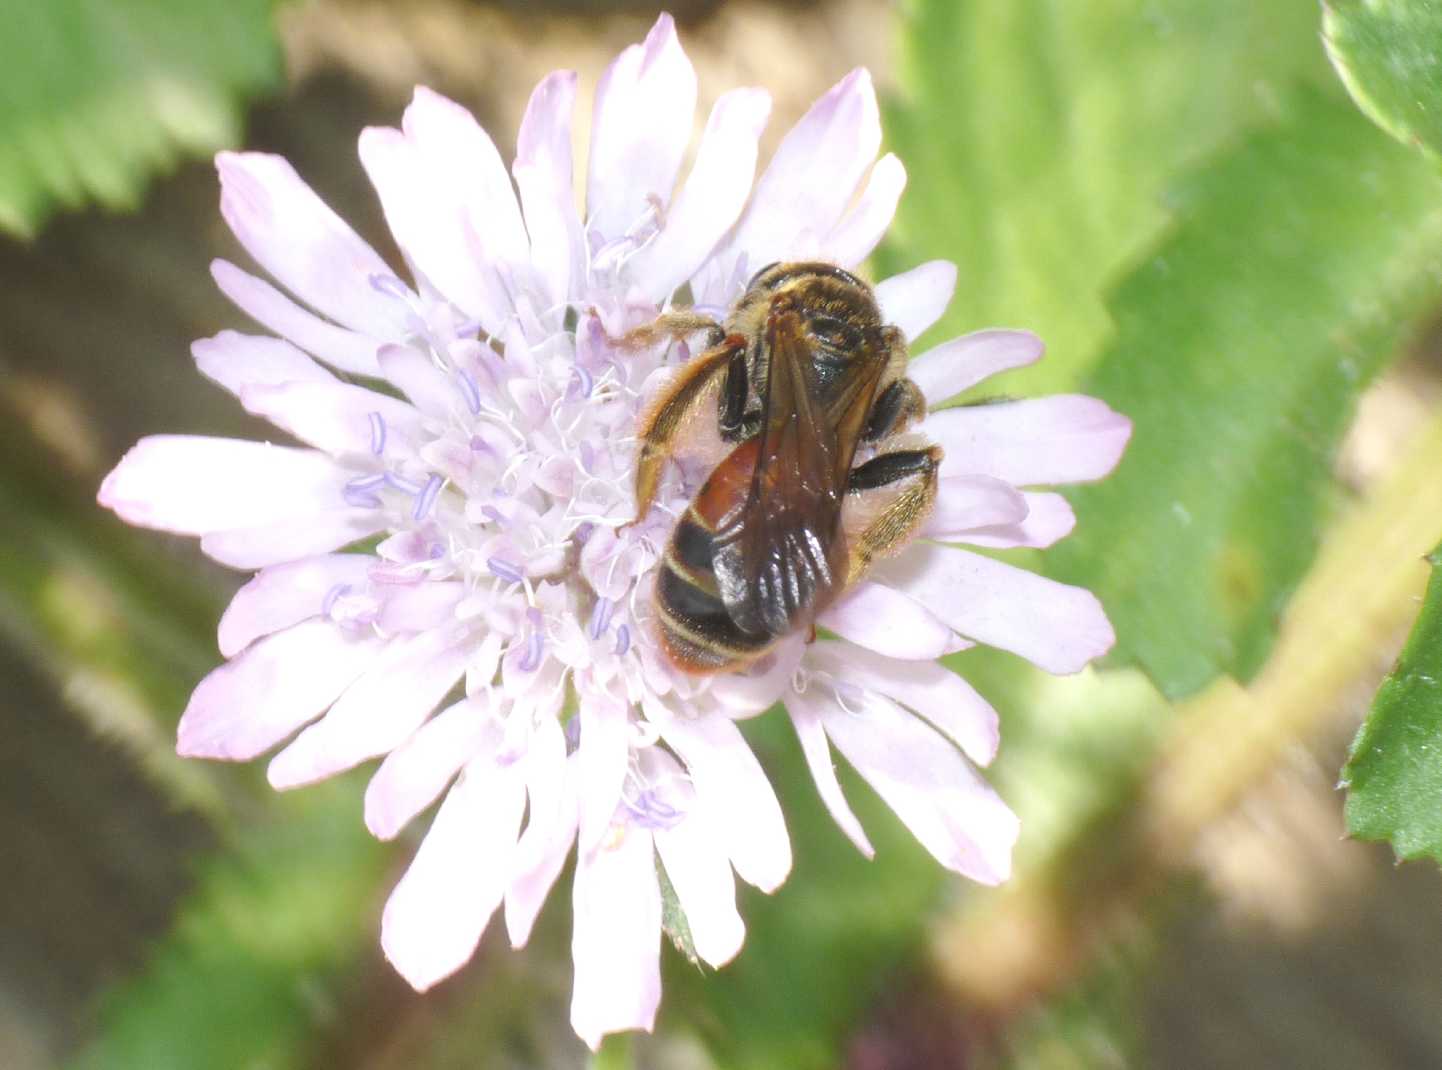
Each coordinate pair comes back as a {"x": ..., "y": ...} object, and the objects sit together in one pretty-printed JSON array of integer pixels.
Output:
[
  {"x": 905, "y": 482},
  {"x": 665, "y": 417}
]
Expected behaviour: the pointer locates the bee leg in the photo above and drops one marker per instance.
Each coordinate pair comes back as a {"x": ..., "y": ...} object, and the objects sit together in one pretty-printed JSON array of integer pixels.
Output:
[
  {"x": 661, "y": 422},
  {"x": 672, "y": 325},
  {"x": 913, "y": 474},
  {"x": 898, "y": 406}
]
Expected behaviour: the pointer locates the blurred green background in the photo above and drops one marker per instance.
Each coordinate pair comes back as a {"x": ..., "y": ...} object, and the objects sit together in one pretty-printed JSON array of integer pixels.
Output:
[{"x": 1181, "y": 198}]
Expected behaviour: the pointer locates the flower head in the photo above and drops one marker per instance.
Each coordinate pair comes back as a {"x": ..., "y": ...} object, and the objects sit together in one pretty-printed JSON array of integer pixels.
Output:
[{"x": 446, "y": 575}]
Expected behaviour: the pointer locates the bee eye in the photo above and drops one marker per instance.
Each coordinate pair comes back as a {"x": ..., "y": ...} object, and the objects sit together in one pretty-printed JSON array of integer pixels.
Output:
[
  {"x": 833, "y": 332},
  {"x": 757, "y": 277}
]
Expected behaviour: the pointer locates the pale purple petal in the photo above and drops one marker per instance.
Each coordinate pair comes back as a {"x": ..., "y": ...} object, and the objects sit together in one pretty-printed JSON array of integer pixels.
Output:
[
  {"x": 729, "y": 779},
  {"x": 427, "y": 225},
  {"x": 640, "y": 127},
  {"x": 951, "y": 811},
  {"x": 252, "y": 702},
  {"x": 415, "y": 773},
  {"x": 193, "y": 485},
  {"x": 544, "y": 768},
  {"x": 469, "y": 169},
  {"x": 287, "y": 594},
  {"x": 700, "y": 872},
  {"x": 601, "y": 764},
  {"x": 810, "y": 181},
  {"x": 302, "y": 243},
  {"x": 863, "y": 227},
  {"x": 336, "y": 417},
  {"x": 616, "y": 937},
  {"x": 805, "y": 714},
  {"x": 420, "y": 607},
  {"x": 1049, "y": 518},
  {"x": 916, "y": 299},
  {"x": 713, "y": 196},
  {"x": 1055, "y": 626},
  {"x": 420, "y": 380},
  {"x": 543, "y": 176},
  {"x": 436, "y": 915},
  {"x": 341, "y": 348},
  {"x": 291, "y": 539},
  {"x": 235, "y": 361},
  {"x": 946, "y": 370},
  {"x": 932, "y": 690},
  {"x": 964, "y": 503},
  {"x": 378, "y": 711},
  {"x": 544, "y": 845},
  {"x": 888, "y": 622},
  {"x": 1064, "y": 438}
]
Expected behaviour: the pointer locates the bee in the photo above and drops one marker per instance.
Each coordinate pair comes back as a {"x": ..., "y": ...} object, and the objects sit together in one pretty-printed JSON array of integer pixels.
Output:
[{"x": 804, "y": 373}]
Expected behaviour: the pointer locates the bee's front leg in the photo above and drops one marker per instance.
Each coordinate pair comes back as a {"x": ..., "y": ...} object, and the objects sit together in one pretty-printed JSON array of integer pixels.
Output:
[
  {"x": 670, "y": 326},
  {"x": 905, "y": 482}
]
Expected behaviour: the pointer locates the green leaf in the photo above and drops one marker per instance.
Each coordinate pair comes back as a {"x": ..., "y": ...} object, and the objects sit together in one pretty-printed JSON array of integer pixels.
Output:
[
  {"x": 1394, "y": 774},
  {"x": 1038, "y": 137},
  {"x": 250, "y": 972},
  {"x": 1297, "y": 264},
  {"x": 96, "y": 95},
  {"x": 1389, "y": 54}
]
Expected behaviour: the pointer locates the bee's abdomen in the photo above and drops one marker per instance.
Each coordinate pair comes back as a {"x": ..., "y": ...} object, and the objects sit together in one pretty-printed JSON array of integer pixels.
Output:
[{"x": 698, "y": 633}]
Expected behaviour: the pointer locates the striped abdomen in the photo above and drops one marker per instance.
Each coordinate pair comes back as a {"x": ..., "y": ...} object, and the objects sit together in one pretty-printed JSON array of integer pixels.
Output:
[{"x": 698, "y": 633}]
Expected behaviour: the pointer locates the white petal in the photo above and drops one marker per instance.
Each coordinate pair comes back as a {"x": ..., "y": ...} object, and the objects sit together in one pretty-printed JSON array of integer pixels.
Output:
[
  {"x": 888, "y": 622},
  {"x": 235, "y": 361},
  {"x": 428, "y": 226},
  {"x": 951, "y": 811},
  {"x": 814, "y": 175},
  {"x": 1052, "y": 625},
  {"x": 640, "y": 126},
  {"x": 377, "y": 712},
  {"x": 616, "y": 937},
  {"x": 964, "y": 503},
  {"x": 348, "y": 350},
  {"x": 712, "y": 197},
  {"x": 543, "y": 176},
  {"x": 932, "y": 690},
  {"x": 916, "y": 299},
  {"x": 251, "y": 703},
  {"x": 946, "y": 370},
  {"x": 436, "y": 915},
  {"x": 291, "y": 539},
  {"x": 293, "y": 235},
  {"x": 1049, "y": 518},
  {"x": 415, "y": 773},
  {"x": 729, "y": 779},
  {"x": 193, "y": 485},
  {"x": 337, "y": 417},
  {"x": 862, "y": 228},
  {"x": 1065, "y": 438},
  {"x": 600, "y": 764},
  {"x": 286, "y": 594},
  {"x": 805, "y": 715}
]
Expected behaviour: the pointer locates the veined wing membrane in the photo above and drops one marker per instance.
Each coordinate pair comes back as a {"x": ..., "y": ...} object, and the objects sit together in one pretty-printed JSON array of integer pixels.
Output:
[{"x": 778, "y": 554}]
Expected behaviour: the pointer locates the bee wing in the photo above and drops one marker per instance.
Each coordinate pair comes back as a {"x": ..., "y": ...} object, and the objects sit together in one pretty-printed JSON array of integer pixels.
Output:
[{"x": 780, "y": 552}]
